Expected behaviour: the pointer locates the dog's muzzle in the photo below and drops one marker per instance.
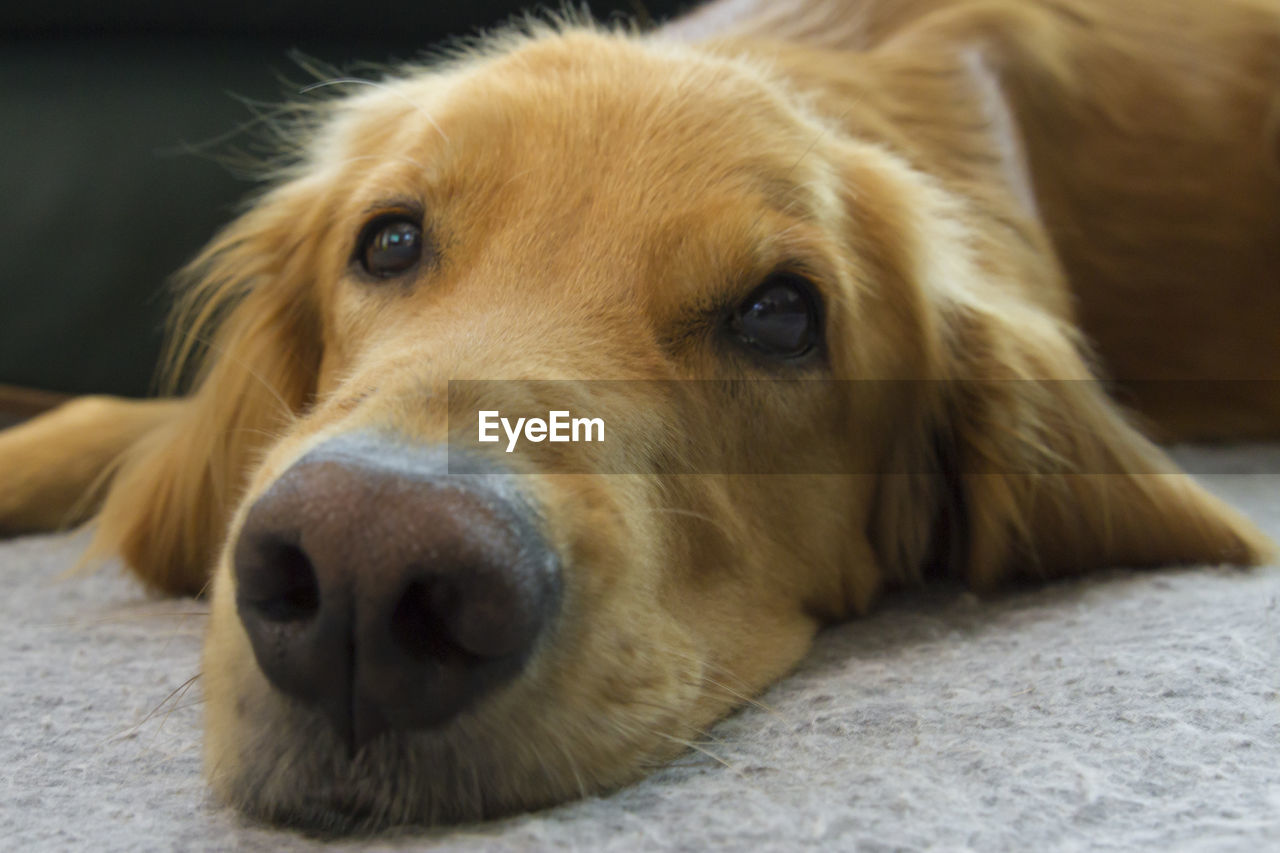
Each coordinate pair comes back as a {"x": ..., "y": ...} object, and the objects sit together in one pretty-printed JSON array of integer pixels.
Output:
[{"x": 390, "y": 590}]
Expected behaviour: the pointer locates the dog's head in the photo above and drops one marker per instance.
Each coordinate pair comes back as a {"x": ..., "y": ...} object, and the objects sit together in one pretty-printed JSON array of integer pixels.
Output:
[{"x": 406, "y": 629}]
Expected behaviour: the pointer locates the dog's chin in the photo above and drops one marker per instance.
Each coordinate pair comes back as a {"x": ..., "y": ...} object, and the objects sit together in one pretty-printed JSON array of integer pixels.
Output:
[
  {"x": 312, "y": 783},
  {"x": 302, "y": 777}
]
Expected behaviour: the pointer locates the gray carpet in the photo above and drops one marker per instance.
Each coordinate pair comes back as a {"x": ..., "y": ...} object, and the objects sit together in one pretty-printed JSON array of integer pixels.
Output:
[{"x": 1124, "y": 711}]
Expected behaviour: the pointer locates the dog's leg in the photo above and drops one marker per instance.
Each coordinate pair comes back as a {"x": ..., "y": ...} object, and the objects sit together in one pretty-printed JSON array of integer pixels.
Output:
[{"x": 54, "y": 468}]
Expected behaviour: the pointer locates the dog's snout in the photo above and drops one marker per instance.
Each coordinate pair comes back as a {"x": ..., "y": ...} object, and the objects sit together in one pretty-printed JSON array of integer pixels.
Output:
[{"x": 390, "y": 596}]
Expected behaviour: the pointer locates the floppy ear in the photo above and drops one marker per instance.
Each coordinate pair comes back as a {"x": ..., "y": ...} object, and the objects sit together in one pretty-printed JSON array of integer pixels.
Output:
[
  {"x": 1035, "y": 471},
  {"x": 249, "y": 311},
  {"x": 1016, "y": 461}
]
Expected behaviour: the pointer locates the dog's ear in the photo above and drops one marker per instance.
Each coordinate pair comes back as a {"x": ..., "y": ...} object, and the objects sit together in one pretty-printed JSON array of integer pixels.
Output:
[
  {"x": 1031, "y": 469},
  {"x": 248, "y": 320},
  {"x": 1005, "y": 453}
]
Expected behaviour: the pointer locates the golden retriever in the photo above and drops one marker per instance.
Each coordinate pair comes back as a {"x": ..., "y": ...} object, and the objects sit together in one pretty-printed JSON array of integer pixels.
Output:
[{"x": 839, "y": 280}]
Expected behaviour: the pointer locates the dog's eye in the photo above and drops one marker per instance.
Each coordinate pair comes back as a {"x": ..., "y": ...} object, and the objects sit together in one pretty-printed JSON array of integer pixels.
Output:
[
  {"x": 779, "y": 318},
  {"x": 389, "y": 246}
]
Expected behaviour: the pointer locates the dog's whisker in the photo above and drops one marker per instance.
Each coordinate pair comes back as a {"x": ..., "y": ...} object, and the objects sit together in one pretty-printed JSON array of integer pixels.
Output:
[
  {"x": 559, "y": 740},
  {"x": 703, "y": 677},
  {"x": 700, "y": 516},
  {"x": 531, "y": 745},
  {"x": 176, "y": 707},
  {"x": 174, "y": 695},
  {"x": 740, "y": 696},
  {"x": 195, "y": 703},
  {"x": 172, "y": 700},
  {"x": 671, "y": 710},
  {"x": 695, "y": 747}
]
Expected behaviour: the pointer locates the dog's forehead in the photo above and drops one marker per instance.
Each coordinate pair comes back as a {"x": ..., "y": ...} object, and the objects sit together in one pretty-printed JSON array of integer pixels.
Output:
[{"x": 578, "y": 107}]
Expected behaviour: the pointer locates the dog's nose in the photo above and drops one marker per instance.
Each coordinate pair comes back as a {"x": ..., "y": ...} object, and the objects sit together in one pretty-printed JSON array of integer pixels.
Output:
[{"x": 386, "y": 593}]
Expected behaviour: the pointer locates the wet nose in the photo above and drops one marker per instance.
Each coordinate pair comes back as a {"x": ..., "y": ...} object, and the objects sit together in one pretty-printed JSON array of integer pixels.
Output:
[{"x": 387, "y": 593}]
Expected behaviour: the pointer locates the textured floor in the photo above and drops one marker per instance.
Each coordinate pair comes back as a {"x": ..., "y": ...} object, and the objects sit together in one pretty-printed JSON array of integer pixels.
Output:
[{"x": 1126, "y": 711}]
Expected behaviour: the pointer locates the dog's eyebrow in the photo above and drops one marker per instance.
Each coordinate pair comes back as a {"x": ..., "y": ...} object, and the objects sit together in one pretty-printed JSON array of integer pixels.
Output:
[
  {"x": 786, "y": 196},
  {"x": 398, "y": 204}
]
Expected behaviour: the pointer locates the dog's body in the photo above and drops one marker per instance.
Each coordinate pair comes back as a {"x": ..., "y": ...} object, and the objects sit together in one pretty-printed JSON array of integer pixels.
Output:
[{"x": 950, "y": 202}]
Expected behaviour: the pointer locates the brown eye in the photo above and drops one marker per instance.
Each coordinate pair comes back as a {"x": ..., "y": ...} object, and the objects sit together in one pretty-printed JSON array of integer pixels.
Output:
[
  {"x": 779, "y": 318},
  {"x": 389, "y": 246}
]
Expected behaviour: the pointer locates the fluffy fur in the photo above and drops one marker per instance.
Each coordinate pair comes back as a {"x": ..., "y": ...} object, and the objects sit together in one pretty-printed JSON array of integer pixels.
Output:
[{"x": 998, "y": 202}]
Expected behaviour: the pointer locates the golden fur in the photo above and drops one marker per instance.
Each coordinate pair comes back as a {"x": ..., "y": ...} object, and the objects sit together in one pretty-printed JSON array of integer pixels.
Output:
[{"x": 982, "y": 190}]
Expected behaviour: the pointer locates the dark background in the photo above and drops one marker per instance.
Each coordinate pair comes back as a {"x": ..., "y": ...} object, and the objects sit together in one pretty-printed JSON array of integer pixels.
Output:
[{"x": 101, "y": 197}]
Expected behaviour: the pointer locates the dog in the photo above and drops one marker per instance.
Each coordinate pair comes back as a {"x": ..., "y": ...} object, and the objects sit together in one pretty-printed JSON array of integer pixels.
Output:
[{"x": 862, "y": 293}]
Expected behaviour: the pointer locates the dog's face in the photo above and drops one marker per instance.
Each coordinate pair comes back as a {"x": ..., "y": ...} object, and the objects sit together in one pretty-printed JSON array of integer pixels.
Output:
[
  {"x": 403, "y": 631},
  {"x": 581, "y": 209}
]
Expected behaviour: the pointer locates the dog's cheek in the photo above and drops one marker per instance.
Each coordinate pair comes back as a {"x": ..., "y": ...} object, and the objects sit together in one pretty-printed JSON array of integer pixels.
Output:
[{"x": 626, "y": 672}]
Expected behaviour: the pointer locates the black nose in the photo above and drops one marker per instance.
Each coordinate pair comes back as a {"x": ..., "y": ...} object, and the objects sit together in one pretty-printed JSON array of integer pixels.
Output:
[{"x": 387, "y": 593}]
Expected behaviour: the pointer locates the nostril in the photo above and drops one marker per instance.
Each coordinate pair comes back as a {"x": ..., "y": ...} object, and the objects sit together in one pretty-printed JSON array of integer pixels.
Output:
[
  {"x": 299, "y": 639},
  {"x": 416, "y": 625},
  {"x": 467, "y": 613},
  {"x": 491, "y": 616},
  {"x": 284, "y": 587}
]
